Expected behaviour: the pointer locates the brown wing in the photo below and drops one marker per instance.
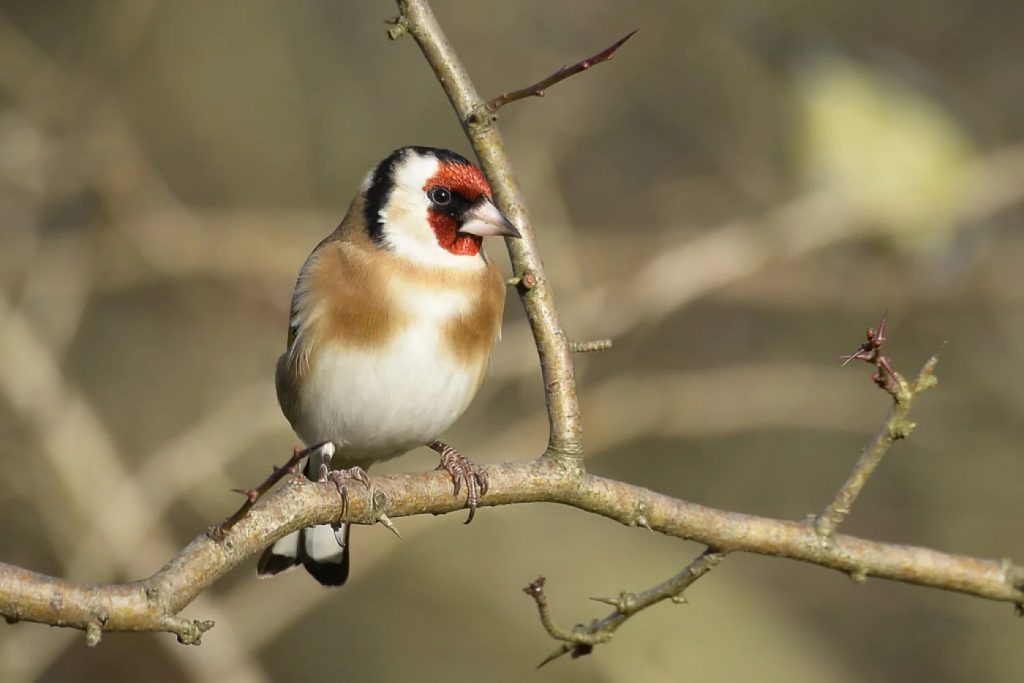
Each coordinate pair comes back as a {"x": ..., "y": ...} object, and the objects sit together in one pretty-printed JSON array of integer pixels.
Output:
[{"x": 286, "y": 382}]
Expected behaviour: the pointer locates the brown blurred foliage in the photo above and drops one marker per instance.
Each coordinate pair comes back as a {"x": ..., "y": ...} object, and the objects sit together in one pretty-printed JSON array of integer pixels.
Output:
[{"x": 733, "y": 199}]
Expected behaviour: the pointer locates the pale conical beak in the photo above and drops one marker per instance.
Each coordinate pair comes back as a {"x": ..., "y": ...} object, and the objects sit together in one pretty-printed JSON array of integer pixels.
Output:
[{"x": 484, "y": 219}]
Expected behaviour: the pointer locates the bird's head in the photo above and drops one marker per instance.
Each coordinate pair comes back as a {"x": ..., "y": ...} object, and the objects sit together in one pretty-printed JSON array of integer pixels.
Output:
[{"x": 431, "y": 206}]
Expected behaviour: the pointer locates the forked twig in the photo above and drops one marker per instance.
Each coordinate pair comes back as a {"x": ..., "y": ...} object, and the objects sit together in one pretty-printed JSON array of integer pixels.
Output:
[
  {"x": 896, "y": 425},
  {"x": 581, "y": 639}
]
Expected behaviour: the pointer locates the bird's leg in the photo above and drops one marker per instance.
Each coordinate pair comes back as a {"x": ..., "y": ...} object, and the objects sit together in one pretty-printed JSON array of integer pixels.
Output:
[
  {"x": 341, "y": 479},
  {"x": 462, "y": 472}
]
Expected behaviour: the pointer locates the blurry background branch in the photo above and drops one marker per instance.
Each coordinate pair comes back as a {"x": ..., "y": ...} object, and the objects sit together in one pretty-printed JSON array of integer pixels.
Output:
[
  {"x": 154, "y": 603},
  {"x": 759, "y": 182}
]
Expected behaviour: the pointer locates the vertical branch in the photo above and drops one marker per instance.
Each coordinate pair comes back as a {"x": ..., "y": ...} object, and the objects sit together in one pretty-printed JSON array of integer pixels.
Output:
[{"x": 554, "y": 349}]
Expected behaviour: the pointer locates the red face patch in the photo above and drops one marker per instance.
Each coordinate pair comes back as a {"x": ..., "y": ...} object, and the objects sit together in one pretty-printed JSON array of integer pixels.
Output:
[
  {"x": 468, "y": 182},
  {"x": 447, "y": 234}
]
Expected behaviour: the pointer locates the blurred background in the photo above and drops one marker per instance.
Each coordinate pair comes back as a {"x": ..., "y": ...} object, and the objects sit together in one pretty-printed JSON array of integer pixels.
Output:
[{"x": 733, "y": 199}]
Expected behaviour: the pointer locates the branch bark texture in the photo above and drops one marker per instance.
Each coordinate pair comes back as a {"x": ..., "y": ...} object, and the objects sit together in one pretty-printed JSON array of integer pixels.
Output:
[
  {"x": 479, "y": 122},
  {"x": 154, "y": 603}
]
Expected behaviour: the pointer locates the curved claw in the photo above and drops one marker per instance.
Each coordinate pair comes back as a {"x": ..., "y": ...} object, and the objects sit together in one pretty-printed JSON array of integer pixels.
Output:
[
  {"x": 462, "y": 470},
  {"x": 341, "y": 479}
]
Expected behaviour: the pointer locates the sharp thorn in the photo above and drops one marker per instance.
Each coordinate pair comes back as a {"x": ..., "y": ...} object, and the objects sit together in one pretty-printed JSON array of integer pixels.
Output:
[
  {"x": 389, "y": 525},
  {"x": 608, "y": 601}
]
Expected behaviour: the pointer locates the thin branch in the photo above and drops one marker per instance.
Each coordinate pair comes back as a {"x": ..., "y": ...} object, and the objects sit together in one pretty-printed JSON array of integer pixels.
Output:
[
  {"x": 565, "y": 439},
  {"x": 154, "y": 604},
  {"x": 538, "y": 88},
  {"x": 253, "y": 495},
  {"x": 895, "y": 428},
  {"x": 581, "y": 640}
]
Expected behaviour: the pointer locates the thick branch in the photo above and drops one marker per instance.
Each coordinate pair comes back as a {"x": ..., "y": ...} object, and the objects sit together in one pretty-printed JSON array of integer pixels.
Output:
[
  {"x": 555, "y": 351},
  {"x": 153, "y": 604}
]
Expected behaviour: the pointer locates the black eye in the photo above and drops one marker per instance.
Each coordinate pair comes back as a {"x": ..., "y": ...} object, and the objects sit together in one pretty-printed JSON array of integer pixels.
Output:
[{"x": 439, "y": 195}]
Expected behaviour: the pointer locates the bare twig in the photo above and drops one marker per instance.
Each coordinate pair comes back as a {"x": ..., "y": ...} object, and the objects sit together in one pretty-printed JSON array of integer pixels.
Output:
[
  {"x": 538, "y": 88},
  {"x": 253, "y": 495},
  {"x": 896, "y": 425},
  {"x": 871, "y": 352},
  {"x": 581, "y": 640}
]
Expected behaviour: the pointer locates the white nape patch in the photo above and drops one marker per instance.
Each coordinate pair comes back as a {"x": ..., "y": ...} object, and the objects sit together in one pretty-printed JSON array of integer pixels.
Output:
[
  {"x": 380, "y": 403},
  {"x": 321, "y": 545},
  {"x": 404, "y": 216},
  {"x": 364, "y": 186}
]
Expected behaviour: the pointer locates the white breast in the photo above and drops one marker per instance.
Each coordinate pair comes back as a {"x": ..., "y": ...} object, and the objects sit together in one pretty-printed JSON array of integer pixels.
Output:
[{"x": 376, "y": 404}]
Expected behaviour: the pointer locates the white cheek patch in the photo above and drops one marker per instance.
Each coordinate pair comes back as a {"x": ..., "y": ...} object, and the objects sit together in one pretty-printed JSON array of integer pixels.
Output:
[{"x": 404, "y": 218}]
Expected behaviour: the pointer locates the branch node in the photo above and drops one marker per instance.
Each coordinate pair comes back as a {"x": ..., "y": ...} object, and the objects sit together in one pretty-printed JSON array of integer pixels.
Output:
[
  {"x": 870, "y": 351},
  {"x": 901, "y": 428},
  {"x": 627, "y": 603},
  {"x": 188, "y": 631},
  {"x": 527, "y": 281},
  {"x": 480, "y": 117},
  {"x": 93, "y": 634},
  {"x": 640, "y": 515},
  {"x": 859, "y": 576},
  {"x": 1012, "y": 574},
  {"x": 536, "y": 588},
  {"x": 399, "y": 27}
]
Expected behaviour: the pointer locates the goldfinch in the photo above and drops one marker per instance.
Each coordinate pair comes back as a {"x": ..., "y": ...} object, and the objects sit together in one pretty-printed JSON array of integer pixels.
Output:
[{"x": 393, "y": 318}]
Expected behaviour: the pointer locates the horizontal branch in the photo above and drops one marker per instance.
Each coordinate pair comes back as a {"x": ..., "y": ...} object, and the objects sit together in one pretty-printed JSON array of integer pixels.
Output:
[{"x": 154, "y": 603}]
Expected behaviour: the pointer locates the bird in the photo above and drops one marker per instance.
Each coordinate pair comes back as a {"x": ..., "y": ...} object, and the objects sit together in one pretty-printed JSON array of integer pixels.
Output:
[{"x": 392, "y": 322}]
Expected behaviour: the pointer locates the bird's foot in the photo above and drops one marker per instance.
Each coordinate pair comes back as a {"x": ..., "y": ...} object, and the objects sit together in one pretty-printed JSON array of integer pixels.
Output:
[
  {"x": 341, "y": 479},
  {"x": 462, "y": 472}
]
